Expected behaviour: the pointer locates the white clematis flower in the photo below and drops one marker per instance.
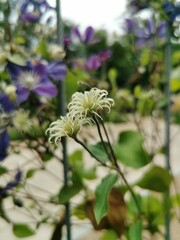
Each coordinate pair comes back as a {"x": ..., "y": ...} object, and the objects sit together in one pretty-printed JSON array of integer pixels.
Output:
[
  {"x": 90, "y": 102},
  {"x": 21, "y": 121},
  {"x": 66, "y": 126}
]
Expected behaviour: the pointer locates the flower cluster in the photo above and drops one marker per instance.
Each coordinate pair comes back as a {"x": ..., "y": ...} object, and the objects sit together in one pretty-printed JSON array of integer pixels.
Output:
[{"x": 82, "y": 109}]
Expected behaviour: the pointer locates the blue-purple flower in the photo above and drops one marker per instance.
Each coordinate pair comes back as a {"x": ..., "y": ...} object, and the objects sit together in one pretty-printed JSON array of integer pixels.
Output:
[
  {"x": 32, "y": 10},
  {"x": 4, "y": 143},
  {"x": 172, "y": 10},
  {"x": 87, "y": 38},
  {"x": 6, "y": 107},
  {"x": 36, "y": 78},
  {"x": 11, "y": 184},
  {"x": 93, "y": 63},
  {"x": 146, "y": 32}
]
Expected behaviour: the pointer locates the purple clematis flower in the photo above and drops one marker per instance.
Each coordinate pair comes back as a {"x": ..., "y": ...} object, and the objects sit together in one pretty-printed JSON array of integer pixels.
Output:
[
  {"x": 172, "y": 10},
  {"x": 93, "y": 63},
  {"x": 56, "y": 71},
  {"x": 32, "y": 10},
  {"x": 11, "y": 184},
  {"x": 87, "y": 38},
  {"x": 6, "y": 106},
  {"x": 4, "y": 143},
  {"x": 146, "y": 34},
  {"x": 36, "y": 78}
]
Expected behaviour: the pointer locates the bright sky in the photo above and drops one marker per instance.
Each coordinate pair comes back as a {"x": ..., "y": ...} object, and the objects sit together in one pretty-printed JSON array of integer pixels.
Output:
[{"x": 97, "y": 13}]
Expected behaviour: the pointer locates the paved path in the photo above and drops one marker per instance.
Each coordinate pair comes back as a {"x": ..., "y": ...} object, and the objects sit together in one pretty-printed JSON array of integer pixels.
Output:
[{"x": 42, "y": 183}]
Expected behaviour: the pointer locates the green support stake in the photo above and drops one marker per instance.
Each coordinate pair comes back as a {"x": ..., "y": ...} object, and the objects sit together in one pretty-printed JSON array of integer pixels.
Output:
[
  {"x": 167, "y": 126},
  {"x": 62, "y": 112}
]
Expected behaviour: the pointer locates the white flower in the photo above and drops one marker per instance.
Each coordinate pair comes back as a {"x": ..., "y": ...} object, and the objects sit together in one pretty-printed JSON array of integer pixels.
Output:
[
  {"x": 56, "y": 51},
  {"x": 10, "y": 90},
  {"x": 90, "y": 102},
  {"x": 68, "y": 125},
  {"x": 28, "y": 79},
  {"x": 21, "y": 121}
]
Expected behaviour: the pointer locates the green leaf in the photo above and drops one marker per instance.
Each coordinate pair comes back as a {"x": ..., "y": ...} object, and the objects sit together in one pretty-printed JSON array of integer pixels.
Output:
[
  {"x": 3, "y": 170},
  {"x": 22, "y": 230},
  {"x": 153, "y": 210},
  {"x": 130, "y": 151},
  {"x": 109, "y": 235},
  {"x": 76, "y": 156},
  {"x": 175, "y": 200},
  {"x": 16, "y": 58},
  {"x": 135, "y": 231},
  {"x": 156, "y": 179},
  {"x": 102, "y": 193},
  {"x": 30, "y": 173},
  {"x": 112, "y": 74},
  {"x": 99, "y": 152},
  {"x": 43, "y": 49},
  {"x": 175, "y": 79},
  {"x": 67, "y": 192},
  {"x": 76, "y": 161},
  {"x": 89, "y": 174},
  {"x": 175, "y": 85},
  {"x": 71, "y": 84},
  {"x": 79, "y": 212}
]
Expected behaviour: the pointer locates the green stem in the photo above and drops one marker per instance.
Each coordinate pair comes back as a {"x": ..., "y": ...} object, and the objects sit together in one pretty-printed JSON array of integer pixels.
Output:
[
  {"x": 110, "y": 146},
  {"x": 87, "y": 149},
  {"x": 101, "y": 137},
  {"x": 117, "y": 168},
  {"x": 62, "y": 111}
]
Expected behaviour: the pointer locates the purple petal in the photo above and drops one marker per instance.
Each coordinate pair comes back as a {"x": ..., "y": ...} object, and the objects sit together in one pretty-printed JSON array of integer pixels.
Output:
[
  {"x": 75, "y": 32},
  {"x": 150, "y": 27},
  {"x": 30, "y": 17},
  {"x": 140, "y": 32},
  {"x": 15, "y": 69},
  {"x": 93, "y": 63},
  {"x": 105, "y": 55},
  {"x": 144, "y": 42},
  {"x": 56, "y": 71},
  {"x": 162, "y": 30},
  {"x": 131, "y": 24},
  {"x": 5, "y": 103},
  {"x": 67, "y": 41},
  {"x": 22, "y": 94},
  {"x": 46, "y": 89},
  {"x": 141, "y": 42},
  {"x": 89, "y": 35},
  {"x": 4, "y": 143},
  {"x": 40, "y": 69}
]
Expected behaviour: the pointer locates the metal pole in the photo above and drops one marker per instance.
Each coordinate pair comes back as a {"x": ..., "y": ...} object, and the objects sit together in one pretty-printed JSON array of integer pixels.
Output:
[
  {"x": 62, "y": 112},
  {"x": 167, "y": 126}
]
